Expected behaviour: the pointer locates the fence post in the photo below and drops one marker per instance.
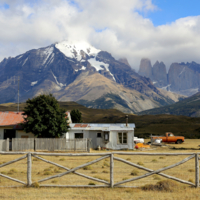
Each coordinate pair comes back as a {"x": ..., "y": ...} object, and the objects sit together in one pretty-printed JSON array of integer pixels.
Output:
[
  {"x": 111, "y": 170},
  {"x": 88, "y": 145},
  {"x": 7, "y": 144},
  {"x": 29, "y": 163},
  {"x": 197, "y": 170}
]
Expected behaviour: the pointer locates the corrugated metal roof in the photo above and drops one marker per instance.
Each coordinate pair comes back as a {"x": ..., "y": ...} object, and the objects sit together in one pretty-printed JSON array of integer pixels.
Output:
[
  {"x": 103, "y": 127},
  {"x": 10, "y": 118}
]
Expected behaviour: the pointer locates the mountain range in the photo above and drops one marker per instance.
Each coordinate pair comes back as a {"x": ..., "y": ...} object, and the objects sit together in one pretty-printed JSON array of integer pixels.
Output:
[
  {"x": 182, "y": 78},
  {"x": 188, "y": 107},
  {"x": 76, "y": 71}
]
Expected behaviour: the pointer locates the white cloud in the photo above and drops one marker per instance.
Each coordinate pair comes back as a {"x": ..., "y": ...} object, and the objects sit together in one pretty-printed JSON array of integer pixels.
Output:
[{"x": 111, "y": 25}]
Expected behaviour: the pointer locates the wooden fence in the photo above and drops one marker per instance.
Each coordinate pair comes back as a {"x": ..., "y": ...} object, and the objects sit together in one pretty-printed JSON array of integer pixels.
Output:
[
  {"x": 46, "y": 144},
  {"x": 112, "y": 156},
  {"x": 4, "y": 145}
]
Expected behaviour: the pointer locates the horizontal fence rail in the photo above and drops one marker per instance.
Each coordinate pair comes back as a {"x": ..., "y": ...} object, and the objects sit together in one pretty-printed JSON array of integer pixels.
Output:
[{"x": 112, "y": 157}]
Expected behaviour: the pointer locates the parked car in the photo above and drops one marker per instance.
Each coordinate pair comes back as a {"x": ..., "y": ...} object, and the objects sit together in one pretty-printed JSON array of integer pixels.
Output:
[
  {"x": 169, "y": 137},
  {"x": 138, "y": 140}
]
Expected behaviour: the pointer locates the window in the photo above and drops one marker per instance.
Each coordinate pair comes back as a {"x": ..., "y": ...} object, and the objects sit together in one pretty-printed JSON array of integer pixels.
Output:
[
  {"x": 78, "y": 135},
  {"x": 99, "y": 135},
  {"x": 122, "y": 138}
]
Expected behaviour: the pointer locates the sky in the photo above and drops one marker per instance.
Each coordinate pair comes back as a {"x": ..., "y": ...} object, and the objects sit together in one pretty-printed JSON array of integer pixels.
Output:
[{"x": 163, "y": 30}]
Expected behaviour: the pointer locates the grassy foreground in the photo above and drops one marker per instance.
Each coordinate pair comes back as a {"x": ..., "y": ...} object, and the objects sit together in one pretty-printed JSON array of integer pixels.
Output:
[{"x": 100, "y": 170}]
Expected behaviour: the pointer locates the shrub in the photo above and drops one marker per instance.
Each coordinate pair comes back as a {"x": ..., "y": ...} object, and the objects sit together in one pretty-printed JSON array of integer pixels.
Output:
[
  {"x": 91, "y": 183},
  {"x": 140, "y": 163},
  {"x": 154, "y": 160},
  {"x": 161, "y": 157},
  {"x": 190, "y": 170},
  {"x": 165, "y": 186},
  {"x": 134, "y": 172},
  {"x": 3, "y": 172},
  {"x": 105, "y": 171},
  {"x": 106, "y": 164},
  {"x": 156, "y": 177},
  {"x": 87, "y": 167},
  {"x": 12, "y": 171},
  {"x": 54, "y": 181},
  {"x": 35, "y": 159},
  {"x": 47, "y": 170},
  {"x": 36, "y": 185},
  {"x": 191, "y": 180},
  {"x": 124, "y": 179},
  {"x": 57, "y": 170},
  {"x": 47, "y": 173},
  {"x": 61, "y": 159},
  {"x": 93, "y": 172},
  {"x": 128, "y": 159}
]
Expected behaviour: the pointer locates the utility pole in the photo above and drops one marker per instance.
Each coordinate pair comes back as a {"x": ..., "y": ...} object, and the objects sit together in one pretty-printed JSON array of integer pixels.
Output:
[{"x": 18, "y": 95}]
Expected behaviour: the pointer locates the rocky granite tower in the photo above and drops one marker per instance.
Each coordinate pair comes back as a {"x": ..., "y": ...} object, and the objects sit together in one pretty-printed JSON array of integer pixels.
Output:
[
  {"x": 145, "y": 68},
  {"x": 159, "y": 74}
]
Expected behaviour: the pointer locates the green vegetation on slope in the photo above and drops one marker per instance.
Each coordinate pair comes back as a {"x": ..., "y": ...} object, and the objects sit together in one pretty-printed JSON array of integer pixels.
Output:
[{"x": 187, "y": 107}]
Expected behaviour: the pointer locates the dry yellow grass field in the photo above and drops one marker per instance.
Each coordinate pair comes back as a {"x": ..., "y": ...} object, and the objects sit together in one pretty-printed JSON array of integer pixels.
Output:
[{"x": 100, "y": 170}]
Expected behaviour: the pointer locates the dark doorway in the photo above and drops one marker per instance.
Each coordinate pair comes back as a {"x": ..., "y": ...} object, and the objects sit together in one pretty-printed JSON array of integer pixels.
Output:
[
  {"x": 9, "y": 133},
  {"x": 78, "y": 135}
]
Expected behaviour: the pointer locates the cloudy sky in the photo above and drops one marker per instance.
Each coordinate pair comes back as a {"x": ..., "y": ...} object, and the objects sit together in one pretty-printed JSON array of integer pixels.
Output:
[{"x": 163, "y": 30}]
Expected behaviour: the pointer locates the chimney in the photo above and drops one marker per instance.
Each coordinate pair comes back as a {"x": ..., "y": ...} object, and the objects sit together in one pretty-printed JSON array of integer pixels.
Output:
[{"x": 126, "y": 120}]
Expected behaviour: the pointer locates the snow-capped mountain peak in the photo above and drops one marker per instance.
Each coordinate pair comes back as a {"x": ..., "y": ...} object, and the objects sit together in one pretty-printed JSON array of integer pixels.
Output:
[{"x": 72, "y": 49}]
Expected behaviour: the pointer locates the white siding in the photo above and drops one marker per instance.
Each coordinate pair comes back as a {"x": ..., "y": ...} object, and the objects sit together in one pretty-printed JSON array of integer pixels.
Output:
[{"x": 112, "y": 144}]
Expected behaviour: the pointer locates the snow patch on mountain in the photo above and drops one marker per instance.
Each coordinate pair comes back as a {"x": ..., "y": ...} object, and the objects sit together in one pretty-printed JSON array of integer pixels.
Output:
[
  {"x": 59, "y": 84},
  {"x": 73, "y": 49},
  {"x": 47, "y": 52},
  {"x": 24, "y": 62},
  {"x": 98, "y": 66},
  {"x": 166, "y": 87},
  {"x": 182, "y": 71},
  {"x": 34, "y": 83}
]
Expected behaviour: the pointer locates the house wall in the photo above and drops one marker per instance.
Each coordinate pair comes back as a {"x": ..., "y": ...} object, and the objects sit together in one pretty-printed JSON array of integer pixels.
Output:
[
  {"x": 19, "y": 133},
  {"x": 113, "y": 144},
  {"x": 96, "y": 142}
]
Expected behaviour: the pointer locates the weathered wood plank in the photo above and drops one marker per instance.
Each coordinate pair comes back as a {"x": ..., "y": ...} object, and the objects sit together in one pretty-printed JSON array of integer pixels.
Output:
[
  {"x": 77, "y": 173},
  {"x": 111, "y": 171},
  {"x": 156, "y": 171},
  {"x": 70, "y": 154},
  {"x": 74, "y": 169},
  {"x": 197, "y": 170},
  {"x": 154, "y": 154},
  {"x": 29, "y": 167},
  {"x": 13, "y": 161},
  {"x": 12, "y": 153},
  {"x": 76, "y": 186},
  {"x": 13, "y": 179}
]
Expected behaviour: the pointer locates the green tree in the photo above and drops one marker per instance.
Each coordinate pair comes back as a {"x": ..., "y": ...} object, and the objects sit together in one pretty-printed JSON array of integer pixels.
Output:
[
  {"x": 44, "y": 118},
  {"x": 76, "y": 116}
]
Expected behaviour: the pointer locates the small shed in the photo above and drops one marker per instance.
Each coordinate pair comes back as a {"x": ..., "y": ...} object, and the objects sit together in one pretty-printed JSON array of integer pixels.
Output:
[{"x": 109, "y": 136}]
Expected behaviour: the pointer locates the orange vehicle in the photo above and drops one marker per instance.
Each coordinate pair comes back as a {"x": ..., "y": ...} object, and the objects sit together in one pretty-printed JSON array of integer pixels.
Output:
[{"x": 169, "y": 138}]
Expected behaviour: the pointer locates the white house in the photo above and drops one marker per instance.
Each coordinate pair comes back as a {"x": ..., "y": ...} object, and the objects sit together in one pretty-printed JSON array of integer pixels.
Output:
[{"x": 110, "y": 136}]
